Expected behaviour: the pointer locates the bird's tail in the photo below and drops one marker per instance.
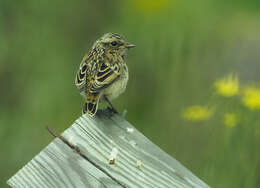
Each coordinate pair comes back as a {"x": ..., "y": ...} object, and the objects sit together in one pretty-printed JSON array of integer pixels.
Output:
[{"x": 91, "y": 104}]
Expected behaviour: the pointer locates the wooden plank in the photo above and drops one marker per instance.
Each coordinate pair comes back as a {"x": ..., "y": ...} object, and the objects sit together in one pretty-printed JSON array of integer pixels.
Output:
[{"x": 139, "y": 162}]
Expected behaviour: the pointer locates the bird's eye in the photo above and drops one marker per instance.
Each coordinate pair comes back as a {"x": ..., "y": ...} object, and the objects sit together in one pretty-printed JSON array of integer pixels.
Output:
[{"x": 114, "y": 43}]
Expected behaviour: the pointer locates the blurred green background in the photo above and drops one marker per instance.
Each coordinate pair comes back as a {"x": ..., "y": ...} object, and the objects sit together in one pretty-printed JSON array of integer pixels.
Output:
[{"x": 183, "y": 47}]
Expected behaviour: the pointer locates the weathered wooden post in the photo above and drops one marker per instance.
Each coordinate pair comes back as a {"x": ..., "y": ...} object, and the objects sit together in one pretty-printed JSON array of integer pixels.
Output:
[{"x": 122, "y": 157}]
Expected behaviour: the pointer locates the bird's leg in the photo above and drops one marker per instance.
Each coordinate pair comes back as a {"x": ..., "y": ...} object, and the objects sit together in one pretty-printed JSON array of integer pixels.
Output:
[
  {"x": 110, "y": 104},
  {"x": 84, "y": 109}
]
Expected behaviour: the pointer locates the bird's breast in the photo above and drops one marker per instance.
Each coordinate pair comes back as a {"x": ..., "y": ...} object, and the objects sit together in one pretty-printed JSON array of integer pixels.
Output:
[{"x": 118, "y": 87}]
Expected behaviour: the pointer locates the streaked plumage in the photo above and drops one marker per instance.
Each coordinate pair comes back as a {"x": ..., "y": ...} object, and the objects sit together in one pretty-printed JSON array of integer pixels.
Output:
[{"x": 103, "y": 73}]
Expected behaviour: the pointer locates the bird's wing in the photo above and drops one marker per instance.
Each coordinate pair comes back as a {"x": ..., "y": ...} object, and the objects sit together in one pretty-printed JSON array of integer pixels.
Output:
[
  {"x": 82, "y": 74},
  {"x": 104, "y": 77}
]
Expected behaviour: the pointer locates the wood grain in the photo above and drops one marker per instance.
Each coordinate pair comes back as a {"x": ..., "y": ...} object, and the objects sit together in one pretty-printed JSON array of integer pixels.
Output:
[{"x": 59, "y": 166}]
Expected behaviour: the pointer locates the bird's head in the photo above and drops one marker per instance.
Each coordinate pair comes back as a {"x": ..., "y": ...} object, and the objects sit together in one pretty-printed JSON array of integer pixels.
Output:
[{"x": 114, "y": 43}]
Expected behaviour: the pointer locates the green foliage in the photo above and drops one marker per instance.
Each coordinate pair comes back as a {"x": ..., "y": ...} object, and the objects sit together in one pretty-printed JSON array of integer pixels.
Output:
[{"x": 182, "y": 48}]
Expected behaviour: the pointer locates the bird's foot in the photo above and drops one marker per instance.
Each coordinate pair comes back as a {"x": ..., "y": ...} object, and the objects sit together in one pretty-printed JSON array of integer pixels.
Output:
[{"x": 112, "y": 110}]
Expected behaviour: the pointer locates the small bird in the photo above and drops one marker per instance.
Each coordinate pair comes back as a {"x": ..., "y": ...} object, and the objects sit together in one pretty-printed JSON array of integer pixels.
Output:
[{"x": 103, "y": 73}]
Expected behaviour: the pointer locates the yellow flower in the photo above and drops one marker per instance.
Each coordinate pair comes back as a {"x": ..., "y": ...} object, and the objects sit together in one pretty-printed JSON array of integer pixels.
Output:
[
  {"x": 150, "y": 5},
  {"x": 228, "y": 86},
  {"x": 251, "y": 98},
  {"x": 230, "y": 119},
  {"x": 198, "y": 113}
]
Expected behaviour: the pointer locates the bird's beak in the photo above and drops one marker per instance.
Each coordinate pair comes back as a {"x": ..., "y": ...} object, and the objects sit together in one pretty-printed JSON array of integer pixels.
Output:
[{"x": 130, "y": 46}]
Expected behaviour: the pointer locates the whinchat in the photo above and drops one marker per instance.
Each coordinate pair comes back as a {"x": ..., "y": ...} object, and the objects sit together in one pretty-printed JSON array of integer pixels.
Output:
[{"x": 103, "y": 73}]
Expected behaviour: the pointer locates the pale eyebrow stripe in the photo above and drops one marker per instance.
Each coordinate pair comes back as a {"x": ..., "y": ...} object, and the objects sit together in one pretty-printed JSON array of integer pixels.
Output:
[{"x": 117, "y": 36}]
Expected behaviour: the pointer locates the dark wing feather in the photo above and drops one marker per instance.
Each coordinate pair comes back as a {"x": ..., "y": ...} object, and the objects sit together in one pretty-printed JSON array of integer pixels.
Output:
[
  {"x": 81, "y": 76},
  {"x": 105, "y": 76}
]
